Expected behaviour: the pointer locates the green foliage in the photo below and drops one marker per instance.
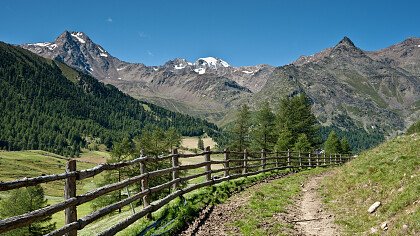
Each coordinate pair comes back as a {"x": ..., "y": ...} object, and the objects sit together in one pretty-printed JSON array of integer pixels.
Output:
[
  {"x": 388, "y": 173},
  {"x": 414, "y": 128},
  {"x": 263, "y": 131},
  {"x": 358, "y": 138},
  {"x": 240, "y": 132},
  {"x": 200, "y": 143},
  {"x": 294, "y": 115},
  {"x": 344, "y": 146},
  {"x": 24, "y": 200},
  {"x": 173, "y": 138},
  {"x": 43, "y": 109},
  {"x": 152, "y": 142},
  {"x": 332, "y": 145},
  {"x": 176, "y": 214},
  {"x": 284, "y": 141},
  {"x": 302, "y": 144}
]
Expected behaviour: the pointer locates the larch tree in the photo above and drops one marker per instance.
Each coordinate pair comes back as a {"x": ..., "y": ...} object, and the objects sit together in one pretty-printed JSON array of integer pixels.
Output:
[
  {"x": 240, "y": 132},
  {"x": 263, "y": 133},
  {"x": 332, "y": 144}
]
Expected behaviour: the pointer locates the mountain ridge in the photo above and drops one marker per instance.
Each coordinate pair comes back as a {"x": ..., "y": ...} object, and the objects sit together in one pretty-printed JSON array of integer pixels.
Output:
[
  {"x": 48, "y": 105},
  {"x": 358, "y": 83}
]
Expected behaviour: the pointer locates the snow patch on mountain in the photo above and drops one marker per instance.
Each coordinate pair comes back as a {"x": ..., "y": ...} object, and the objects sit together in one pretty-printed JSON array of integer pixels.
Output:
[
  {"x": 179, "y": 67},
  {"x": 200, "y": 71},
  {"x": 78, "y": 36},
  {"x": 103, "y": 54},
  {"x": 212, "y": 62},
  {"x": 50, "y": 46}
]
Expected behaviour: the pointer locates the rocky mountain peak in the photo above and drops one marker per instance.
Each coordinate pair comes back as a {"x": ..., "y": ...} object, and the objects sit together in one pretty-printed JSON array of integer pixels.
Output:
[
  {"x": 346, "y": 48},
  {"x": 346, "y": 42},
  {"x": 412, "y": 42},
  {"x": 211, "y": 62}
]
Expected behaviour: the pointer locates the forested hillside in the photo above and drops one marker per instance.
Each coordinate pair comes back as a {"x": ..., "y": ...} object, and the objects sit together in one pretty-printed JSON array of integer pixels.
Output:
[{"x": 47, "y": 105}]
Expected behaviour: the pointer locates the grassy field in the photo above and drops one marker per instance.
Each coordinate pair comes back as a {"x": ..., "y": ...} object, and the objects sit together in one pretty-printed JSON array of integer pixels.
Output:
[
  {"x": 20, "y": 164},
  {"x": 192, "y": 142},
  {"x": 388, "y": 173}
]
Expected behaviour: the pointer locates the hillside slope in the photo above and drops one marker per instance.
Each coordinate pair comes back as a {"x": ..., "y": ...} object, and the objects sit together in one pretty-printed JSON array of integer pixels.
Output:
[
  {"x": 371, "y": 94},
  {"x": 390, "y": 174},
  {"x": 47, "y": 105}
]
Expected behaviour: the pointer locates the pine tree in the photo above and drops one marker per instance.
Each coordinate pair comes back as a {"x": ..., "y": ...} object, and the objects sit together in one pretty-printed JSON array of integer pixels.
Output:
[
  {"x": 302, "y": 144},
  {"x": 25, "y": 200},
  {"x": 173, "y": 138},
  {"x": 344, "y": 146},
  {"x": 240, "y": 137},
  {"x": 332, "y": 145},
  {"x": 200, "y": 144},
  {"x": 294, "y": 115},
  {"x": 284, "y": 141},
  {"x": 263, "y": 135}
]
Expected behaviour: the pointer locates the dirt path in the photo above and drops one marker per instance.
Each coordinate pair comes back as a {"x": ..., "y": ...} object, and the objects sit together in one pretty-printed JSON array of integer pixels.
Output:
[
  {"x": 312, "y": 218},
  {"x": 307, "y": 216},
  {"x": 212, "y": 221}
]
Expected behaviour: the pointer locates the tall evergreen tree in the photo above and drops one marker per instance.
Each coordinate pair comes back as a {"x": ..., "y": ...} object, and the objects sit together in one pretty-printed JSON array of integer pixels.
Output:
[
  {"x": 263, "y": 132},
  {"x": 25, "y": 200},
  {"x": 294, "y": 115},
  {"x": 344, "y": 146},
  {"x": 200, "y": 143},
  {"x": 332, "y": 145},
  {"x": 173, "y": 138},
  {"x": 284, "y": 141},
  {"x": 240, "y": 133},
  {"x": 302, "y": 144}
]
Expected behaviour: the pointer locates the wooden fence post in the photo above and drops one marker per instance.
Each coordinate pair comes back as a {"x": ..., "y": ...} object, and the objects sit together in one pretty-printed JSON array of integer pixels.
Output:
[
  {"x": 245, "y": 163},
  {"x": 288, "y": 157},
  {"x": 277, "y": 159},
  {"x": 300, "y": 160},
  {"x": 309, "y": 160},
  {"x": 175, "y": 172},
  {"x": 144, "y": 185},
  {"x": 325, "y": 159},
  {"x": 341, "y": 160},
  {"x": 208, "y": 165},
  {"x": 335, "y": 159},
  {"x": 263, "y": 160},
  {"x": 226, "y": 164},
  {"x": 317, "y": 158},
  {"x": 70, "y": 192},
  {"x": 330, "y": 160}
]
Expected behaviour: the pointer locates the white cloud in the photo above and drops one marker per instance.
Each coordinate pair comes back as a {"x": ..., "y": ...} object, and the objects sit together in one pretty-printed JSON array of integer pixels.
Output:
[
  {"x": 143, "y": 35},
  {"x": 109, "y": 19}
]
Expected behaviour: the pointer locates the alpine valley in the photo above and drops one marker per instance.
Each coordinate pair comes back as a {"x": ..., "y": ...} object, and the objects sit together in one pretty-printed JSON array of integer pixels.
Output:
[{"x": 351, "y": 89}]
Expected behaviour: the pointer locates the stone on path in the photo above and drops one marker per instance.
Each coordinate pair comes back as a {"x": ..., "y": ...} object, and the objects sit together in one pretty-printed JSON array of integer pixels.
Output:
[{"x": 374, "y": 207}]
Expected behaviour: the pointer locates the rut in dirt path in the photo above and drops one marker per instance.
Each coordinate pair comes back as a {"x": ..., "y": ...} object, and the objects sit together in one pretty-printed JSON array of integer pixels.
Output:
[{"x": 312, "y": 218}]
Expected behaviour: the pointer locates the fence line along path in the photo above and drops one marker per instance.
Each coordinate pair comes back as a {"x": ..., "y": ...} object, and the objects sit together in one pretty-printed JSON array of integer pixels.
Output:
[{"x": 235, "y": 165}]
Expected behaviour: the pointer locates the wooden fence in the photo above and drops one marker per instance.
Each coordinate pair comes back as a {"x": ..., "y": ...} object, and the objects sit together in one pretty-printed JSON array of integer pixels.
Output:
[{"x": 235, "y": 165}]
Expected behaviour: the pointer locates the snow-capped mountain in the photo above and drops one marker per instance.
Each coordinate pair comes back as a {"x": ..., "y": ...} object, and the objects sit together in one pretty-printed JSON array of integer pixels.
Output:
[
  {"x": 344, "y": 82},
  {"x": 201, "y": 86}
]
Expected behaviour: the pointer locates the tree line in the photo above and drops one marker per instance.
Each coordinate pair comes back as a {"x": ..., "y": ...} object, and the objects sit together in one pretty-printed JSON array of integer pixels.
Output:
[
  {"x": 291, "y": 126},
  {"x": 43, "y": 107}
]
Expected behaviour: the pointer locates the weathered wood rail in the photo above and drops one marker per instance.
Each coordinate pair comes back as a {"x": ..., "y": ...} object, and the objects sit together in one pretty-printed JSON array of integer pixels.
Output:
[{"x": 235, "y": 165}]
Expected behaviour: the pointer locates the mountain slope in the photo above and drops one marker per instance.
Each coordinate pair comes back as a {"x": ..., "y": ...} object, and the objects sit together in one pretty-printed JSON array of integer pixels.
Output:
[
  {"x": 204, "y": 88},
  {"x": 351, "y": 89},
  {"x": 47, "y": 105},
  {"x": 389, "y": 174}
]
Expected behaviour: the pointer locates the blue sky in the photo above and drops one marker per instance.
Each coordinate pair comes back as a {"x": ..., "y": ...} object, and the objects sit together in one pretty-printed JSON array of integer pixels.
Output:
[{"x": 240, "y": 32}]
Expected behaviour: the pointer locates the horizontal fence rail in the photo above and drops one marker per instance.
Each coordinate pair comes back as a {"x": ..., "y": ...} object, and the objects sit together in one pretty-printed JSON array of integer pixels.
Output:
[{"x": 234, "y": 165}]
